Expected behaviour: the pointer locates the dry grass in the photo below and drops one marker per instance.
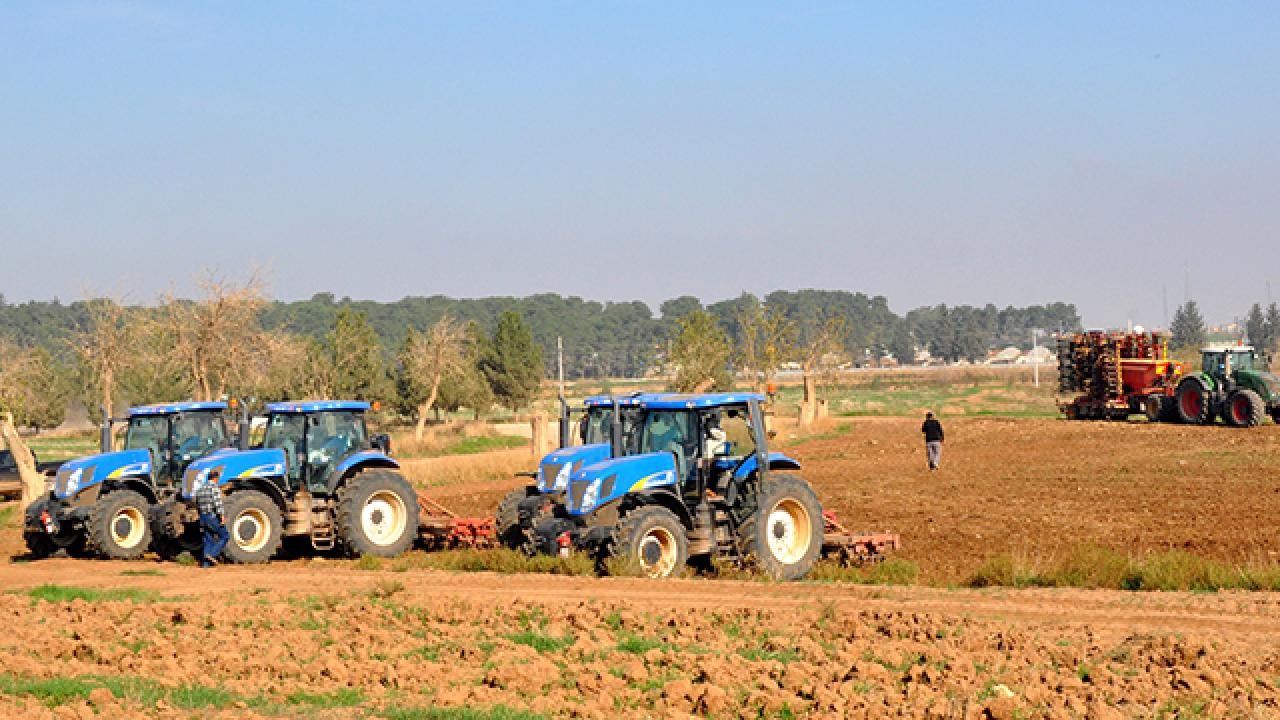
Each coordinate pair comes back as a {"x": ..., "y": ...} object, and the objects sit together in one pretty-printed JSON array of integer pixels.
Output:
[
  {"x": 483, "y": 468},
  {"x": 450, "y": 438},
  {"x": 1091, "y": 566}
]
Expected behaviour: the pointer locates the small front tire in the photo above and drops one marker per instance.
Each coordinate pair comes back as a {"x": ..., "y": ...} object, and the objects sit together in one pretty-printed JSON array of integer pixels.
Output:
[
  {"x": 118, "y": 526},
  {"x": 649, "y": 541}
]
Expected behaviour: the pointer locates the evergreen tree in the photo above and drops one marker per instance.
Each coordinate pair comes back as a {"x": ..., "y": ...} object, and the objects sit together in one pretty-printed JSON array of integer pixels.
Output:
[
  {"x": 1271, "y": 336},
  {"x": 513, "y": 363},
  {"x": 1255, "y": 326},
  {"x": 700, "y": 354},
  {"x": 359, "y": 371},
  {"x": 1188, "y": 327}
]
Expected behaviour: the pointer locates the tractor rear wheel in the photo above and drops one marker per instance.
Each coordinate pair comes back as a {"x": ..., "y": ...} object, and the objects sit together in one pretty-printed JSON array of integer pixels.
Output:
[
  {"x": 118, "y": 527},
  {"x": 377, "y": 514},
  {"x": 650, "y": 541},
  {"x": 1245, "y": 409},
  {"x": 1192, "y": 400},
  {"x": 784, "y": 535},
  {"x": 510, "y": 531},
  {"x": 253, "y": 521}
]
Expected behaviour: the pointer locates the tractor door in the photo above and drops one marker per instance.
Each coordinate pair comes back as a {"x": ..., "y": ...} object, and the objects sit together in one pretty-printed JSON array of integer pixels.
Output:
[
  {"x": 331, "y": 437},
  {"x": 151, "y": 433},
  {"x": 195, "y": 434},
  {"x": 288, "y": 432}
]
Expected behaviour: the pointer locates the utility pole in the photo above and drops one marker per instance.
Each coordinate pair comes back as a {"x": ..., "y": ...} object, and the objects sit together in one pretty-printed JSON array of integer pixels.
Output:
[
  {"x": 1035, "y": 356},
  {"x": 560, "y": 362}
]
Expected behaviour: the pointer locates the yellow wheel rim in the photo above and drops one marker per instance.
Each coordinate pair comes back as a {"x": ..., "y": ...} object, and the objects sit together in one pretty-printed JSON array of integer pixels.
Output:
[
  {"x": 251, "y": 529},
  {"x": 790, "y": 531},
  {"x": 384, "y": 518},
  {"x": 128, "y": 526},
  {"x": 656, "y": 553}
]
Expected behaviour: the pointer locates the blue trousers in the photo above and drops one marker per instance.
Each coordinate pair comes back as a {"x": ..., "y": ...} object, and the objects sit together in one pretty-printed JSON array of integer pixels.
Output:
[{"x": 215, "y": 534}]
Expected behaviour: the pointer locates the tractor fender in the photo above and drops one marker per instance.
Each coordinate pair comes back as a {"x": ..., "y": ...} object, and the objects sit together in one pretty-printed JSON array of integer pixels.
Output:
[
  {"x": 264, "y": 486},
  {"x": 140, "y": 485},
  {"x": 777, "y": 461},
  {"x": 357, "y": 462},
  {"x": 665, "y": 497}
]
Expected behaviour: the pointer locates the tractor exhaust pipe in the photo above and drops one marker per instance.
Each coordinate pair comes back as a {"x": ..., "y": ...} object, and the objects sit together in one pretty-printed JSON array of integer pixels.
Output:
[
  {"x": 615, "y": 428},
  {"x": 564, "y": 423},
  {"x": 242, "y": 431},
  {"x": 104, "y": 431}
]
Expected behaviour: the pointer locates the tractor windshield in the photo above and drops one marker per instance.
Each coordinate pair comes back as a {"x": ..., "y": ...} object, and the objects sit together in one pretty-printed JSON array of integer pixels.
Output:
[
  {"x": 197, "y": 434},
  {"x": 671, "y": 431},
  {"x": 148, "y": 432},
  {"x": 287, "y": 432},
  {"x": 597, "y": 427},
  {"x": 1241, "y": 360}
]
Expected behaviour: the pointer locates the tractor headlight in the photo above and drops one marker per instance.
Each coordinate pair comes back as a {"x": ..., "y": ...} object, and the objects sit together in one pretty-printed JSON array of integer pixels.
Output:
[
  {"x": 72, "y": 483},
  {"x": 562, "y": 478},
  {"x": 591, "y": 496}
]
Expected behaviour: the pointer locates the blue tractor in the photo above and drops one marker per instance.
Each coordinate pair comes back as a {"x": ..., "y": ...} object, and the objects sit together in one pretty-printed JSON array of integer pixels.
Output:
[
  {"x": 701, "y": 484},
  {"x": 318, "y": 474},
  {"x": 521, "y": 510},
  {"x": 100, "y": 504}
]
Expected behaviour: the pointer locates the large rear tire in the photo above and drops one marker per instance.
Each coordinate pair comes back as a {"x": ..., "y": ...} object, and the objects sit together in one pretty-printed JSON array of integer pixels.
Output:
[
  {"x": 1192, "y": 400},
  {"x": 377, "y": 514},
  {"x": 784, "y": 536},
  {"x": 253, "y": 521},
  {"x": 118, "y": 526},
  {"x": 1245, "y": 408},
  {"x": 649, "y": 541}
]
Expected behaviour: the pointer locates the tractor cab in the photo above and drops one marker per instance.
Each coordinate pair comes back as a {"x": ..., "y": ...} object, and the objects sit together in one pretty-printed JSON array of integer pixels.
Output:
[
  {"x": 175, "y": 435},
  {"x": 319, "y": 439},
  {"x": 1222, "y": 363}
]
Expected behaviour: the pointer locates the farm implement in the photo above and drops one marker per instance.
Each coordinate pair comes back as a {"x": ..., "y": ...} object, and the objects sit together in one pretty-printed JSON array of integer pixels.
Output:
[{"x": 1122, "y": 374}]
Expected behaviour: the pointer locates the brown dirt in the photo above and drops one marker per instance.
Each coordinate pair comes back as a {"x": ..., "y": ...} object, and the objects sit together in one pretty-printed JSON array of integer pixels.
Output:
[
  {"x": 403, "y": 641},
  {"x": 1033, "y": 487},
  {"x": 655, "y": 649}
]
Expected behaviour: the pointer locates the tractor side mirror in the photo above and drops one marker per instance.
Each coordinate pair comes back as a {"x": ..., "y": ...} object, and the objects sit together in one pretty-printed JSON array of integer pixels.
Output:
[{"x": 381, "y": 442}]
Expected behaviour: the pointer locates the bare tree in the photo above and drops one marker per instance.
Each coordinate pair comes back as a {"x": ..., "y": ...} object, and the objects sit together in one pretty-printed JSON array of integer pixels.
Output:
[
  {"x": 767, "y": 337},
  {"x": 429, "y": 356},
  {"x": 107, "y": 348},
  {"x": 826, "y": 339},
  {"x": 217, "y": 340}
]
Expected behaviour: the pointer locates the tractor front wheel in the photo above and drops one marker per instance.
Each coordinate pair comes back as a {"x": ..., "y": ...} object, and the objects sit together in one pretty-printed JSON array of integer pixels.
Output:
[
  {"x": 253, "y": 521},
  {"x": 650, "y": 541},
  {"x": 511, "y": 532},
  {"x": 1245, "y": 409},
  {"x": 117, "y": 525},
  {"x": 377, "y": 514},
  {"x": 784, "y": 535},
  {"x": 1193, "y": 402},
  {"x": 1154, "y": 407}
]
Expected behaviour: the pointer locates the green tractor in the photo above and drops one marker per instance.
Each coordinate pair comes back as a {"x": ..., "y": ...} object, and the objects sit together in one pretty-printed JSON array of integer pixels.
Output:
[{"x": 1231, "y": 384}]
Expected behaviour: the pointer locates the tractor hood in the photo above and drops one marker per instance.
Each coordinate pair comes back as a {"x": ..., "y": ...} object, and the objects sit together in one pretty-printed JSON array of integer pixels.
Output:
[
  {"x": 78, "y": 474},
  {"x": 606, "y": 481},
  {"x": 233, "y": 465},
  {"x": 558, "y": 466}
]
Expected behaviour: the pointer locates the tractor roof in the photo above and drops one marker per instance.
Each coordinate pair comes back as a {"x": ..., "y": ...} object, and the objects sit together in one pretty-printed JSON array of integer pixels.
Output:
[
  {"x": 174, "y": 408},
  {"x": 683, "y": 401},
  {"x": 311, "y": 406},
  {"x": 1227, "y": 348},
  {"x": 630, "y": 400}
]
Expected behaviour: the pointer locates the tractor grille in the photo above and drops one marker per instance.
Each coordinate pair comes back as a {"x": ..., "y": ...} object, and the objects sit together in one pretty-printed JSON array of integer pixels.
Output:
[
  {"x": 549, "y": 472},
  {"x": 576, "y": 491}
]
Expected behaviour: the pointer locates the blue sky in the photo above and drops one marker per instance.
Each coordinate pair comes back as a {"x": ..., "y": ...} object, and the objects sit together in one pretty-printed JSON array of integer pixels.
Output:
[{"x": 1013, "y": 153}]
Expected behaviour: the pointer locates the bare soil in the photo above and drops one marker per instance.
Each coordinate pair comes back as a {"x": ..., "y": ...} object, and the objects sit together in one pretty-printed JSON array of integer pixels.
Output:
[{"x": 323, "y": 638}]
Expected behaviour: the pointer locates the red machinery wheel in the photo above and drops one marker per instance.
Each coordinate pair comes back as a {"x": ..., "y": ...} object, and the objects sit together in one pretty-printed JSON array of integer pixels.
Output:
[{"x": 1192, "y": 401}]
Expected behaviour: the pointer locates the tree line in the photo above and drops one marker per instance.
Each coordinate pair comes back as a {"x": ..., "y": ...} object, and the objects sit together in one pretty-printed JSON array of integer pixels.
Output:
[
  {"x": 1261, "y": 328},
  {"x": 437, "y": 353}
]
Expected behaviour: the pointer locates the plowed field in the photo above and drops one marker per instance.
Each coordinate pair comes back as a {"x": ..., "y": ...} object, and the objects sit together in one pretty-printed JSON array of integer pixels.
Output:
[{"x": 322, "y": 638}]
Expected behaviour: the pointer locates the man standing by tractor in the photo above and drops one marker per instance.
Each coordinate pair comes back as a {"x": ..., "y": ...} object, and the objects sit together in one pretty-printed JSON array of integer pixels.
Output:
[
  {"x": 212, "y": 520},
  {"x": 932, "y": 430}
]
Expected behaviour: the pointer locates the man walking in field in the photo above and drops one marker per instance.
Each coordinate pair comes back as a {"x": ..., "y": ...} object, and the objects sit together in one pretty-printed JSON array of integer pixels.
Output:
[
  {"x": 212, "y": 520},
  {"x": 932, "y": 430}
]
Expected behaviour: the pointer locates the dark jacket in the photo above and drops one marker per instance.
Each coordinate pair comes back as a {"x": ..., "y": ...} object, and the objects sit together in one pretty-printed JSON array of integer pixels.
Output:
[{"x": 932, "y": 430}]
